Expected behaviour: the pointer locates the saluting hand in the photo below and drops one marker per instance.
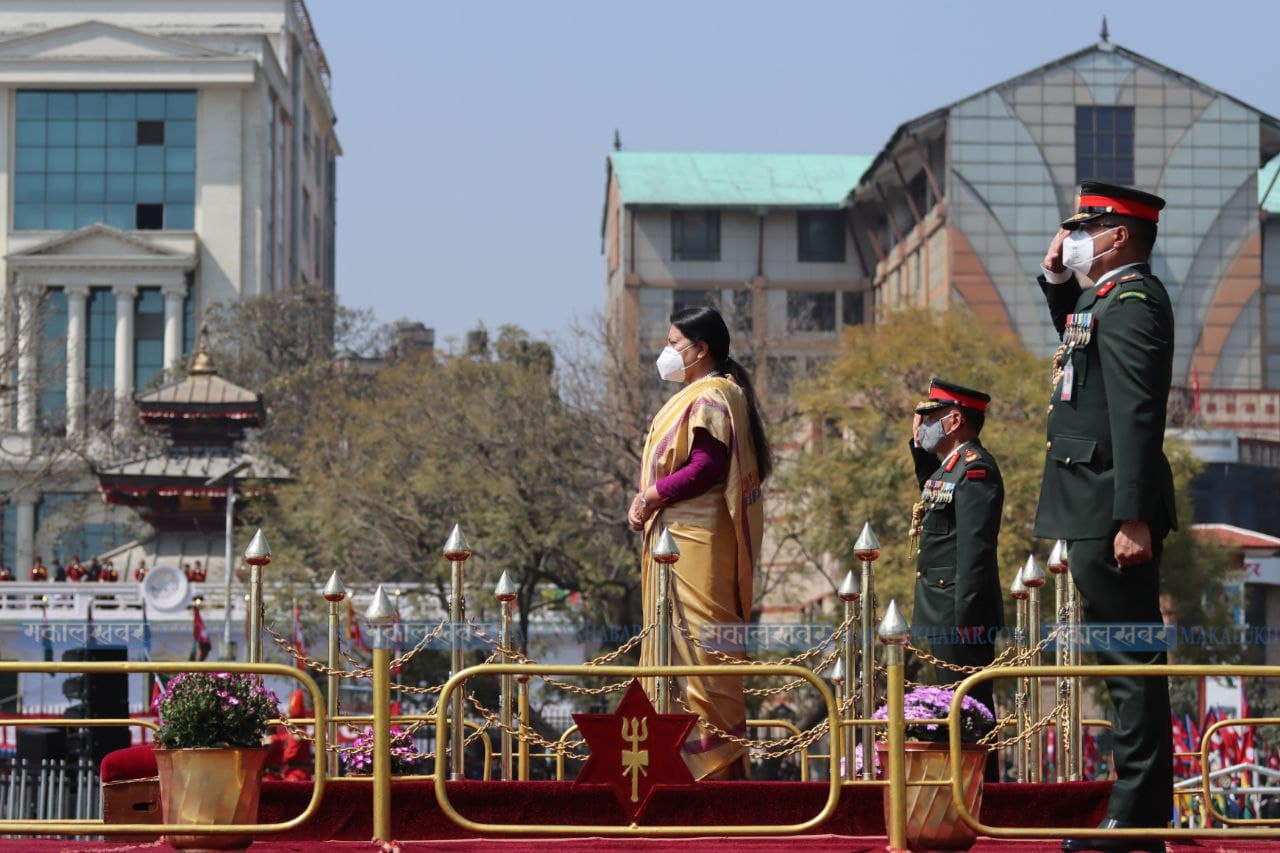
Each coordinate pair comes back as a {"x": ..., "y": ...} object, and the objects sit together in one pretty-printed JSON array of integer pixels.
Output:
[
  {"x": 1053, "y": 257},
  {"x": 1132, "y": 544}
]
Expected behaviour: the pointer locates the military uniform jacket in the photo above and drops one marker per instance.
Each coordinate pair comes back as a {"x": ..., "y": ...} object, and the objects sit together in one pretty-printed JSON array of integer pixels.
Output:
[
  {"x": 1105, "y": 459},
  {"x": 957, "y": 579}
]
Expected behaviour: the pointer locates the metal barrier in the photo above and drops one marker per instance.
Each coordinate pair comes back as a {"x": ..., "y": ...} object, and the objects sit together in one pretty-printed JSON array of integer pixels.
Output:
[
  {"x": 1206, "y": 791},
  {"x": 99, "y": 827},
  {"x": 496, "y": 669},
  {"x": 1252, "y": 828}
]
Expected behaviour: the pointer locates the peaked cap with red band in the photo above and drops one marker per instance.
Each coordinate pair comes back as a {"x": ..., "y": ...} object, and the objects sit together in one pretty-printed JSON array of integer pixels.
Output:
[
  {"x": 1099, "y": 199},
  {"x": 943, "y": 394}
]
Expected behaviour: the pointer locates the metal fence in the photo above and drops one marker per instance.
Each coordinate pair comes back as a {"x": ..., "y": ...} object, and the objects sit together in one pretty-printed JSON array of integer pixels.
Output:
[{"x": 49, "y": 789}]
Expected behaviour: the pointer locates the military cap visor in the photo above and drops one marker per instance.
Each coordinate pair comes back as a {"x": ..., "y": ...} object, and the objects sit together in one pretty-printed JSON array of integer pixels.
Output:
[
  {"x": 1099, "y": 199},
  {"x": 943, "y": 394}
]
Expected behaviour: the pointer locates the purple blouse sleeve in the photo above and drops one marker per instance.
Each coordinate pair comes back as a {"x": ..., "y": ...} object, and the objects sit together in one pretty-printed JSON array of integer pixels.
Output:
[{"x": 707, "y": 465}]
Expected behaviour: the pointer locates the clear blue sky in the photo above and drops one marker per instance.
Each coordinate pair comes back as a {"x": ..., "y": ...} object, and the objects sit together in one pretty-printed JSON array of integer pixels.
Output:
[{"x": 476, "y": 132}]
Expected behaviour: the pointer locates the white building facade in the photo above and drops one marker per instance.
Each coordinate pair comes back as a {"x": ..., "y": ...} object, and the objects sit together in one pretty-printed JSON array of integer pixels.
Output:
[{"x": 155, "y": 158}]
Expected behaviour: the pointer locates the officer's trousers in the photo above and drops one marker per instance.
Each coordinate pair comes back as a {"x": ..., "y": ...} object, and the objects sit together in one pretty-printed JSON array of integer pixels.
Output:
[{"x": 1142, "y": 733}]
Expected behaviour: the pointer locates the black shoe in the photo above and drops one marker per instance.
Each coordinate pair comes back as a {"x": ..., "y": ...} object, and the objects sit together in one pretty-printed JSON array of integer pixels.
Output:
[{"x": 1113, "y": 845}]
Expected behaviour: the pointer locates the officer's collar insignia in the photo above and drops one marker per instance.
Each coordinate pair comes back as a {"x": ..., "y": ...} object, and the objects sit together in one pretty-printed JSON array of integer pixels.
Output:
[
  {"x": 951, "y": 461},
  {"x": 1106, "y": 288}
]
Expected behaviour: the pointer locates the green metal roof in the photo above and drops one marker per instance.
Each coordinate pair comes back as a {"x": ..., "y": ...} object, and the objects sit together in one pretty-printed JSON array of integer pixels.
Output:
[
  {"x": 1269, "y": 187},
  {"x": 737, "y": 180}
]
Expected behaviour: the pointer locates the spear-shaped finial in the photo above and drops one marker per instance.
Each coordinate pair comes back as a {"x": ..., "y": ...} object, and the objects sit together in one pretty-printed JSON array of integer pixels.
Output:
[
  {"x": 258, "y": 552},
  {"x": 456, "y": 549},
  {"x": 850, "y": 587},
  {"x": 1032, "y": 575},
  {"x": 334, "y": 590},
  {"x": 867, "y": 548},
  {"x": 1058, "y": 558},
  {"x": 1105, "y": 35},
  {"x": 506, "y": 590},
  {"x": 380, "y": 609},
  {"x": 666, "y": 550}
]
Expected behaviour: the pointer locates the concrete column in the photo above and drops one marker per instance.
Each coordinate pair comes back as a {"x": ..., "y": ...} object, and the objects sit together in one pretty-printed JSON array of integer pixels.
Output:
[
  {"x": 77, "y": 297},
  {"x": 28, "y": 340},
  {"x": 25, "y": 536},
  {"x": 174, "y": 295},
  {"x": 125, "y": 296}
]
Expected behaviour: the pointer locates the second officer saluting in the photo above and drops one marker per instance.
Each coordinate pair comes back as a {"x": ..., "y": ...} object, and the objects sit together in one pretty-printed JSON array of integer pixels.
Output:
[{"x": 957, "y": 523}]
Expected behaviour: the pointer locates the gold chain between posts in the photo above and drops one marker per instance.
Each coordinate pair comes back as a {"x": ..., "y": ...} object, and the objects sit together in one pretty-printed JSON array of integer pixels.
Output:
[
  {"x": 527, "y": 733},
  {"x": 601, "y": 660},
  {"x": 1043, "y": 722},
  {"x": 725, "y": 657},
  {"x": 1009, "y": 657},
  {"x": 797, "y": 683},
  {"x": 361, "y": 671}
]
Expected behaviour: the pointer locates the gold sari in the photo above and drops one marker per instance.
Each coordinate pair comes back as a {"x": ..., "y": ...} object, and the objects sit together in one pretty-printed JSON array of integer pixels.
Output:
[{"x": 719, "y": 535}]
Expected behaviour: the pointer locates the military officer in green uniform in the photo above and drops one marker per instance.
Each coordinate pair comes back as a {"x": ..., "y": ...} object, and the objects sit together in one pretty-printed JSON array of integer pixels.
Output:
[
  {"x": 1108, "y": 488},
  {"x": 958, "y": 606}
]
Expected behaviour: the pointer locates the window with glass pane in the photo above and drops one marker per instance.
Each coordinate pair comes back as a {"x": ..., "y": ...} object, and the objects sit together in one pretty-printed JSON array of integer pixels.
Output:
[
  {"x": 100, "y": 352},
  {"x": 148, "y": 336},
  {"x": 851, "y": 309},
  {"x": 821, "y": 236},
  {"x": 683, "y": 299},
  {"x": 124, "y": 158},
  {"x": 695, "y": 235},
  {"x": 52, "y": 361},
  {"x": 1104, "y": 144},
  {"x": 811, "y": 312}
]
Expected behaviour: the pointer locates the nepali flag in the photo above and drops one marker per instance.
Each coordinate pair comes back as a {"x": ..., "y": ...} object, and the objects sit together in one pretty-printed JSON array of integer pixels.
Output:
[
  {"x": 200, "y": 645},
  {"x": 1181, "y": 766},
  {"x": 353, "y": 628}
]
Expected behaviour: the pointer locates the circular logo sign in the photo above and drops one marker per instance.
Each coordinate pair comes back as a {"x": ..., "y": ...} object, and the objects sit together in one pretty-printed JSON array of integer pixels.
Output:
[{"x": 166, "y": 588}]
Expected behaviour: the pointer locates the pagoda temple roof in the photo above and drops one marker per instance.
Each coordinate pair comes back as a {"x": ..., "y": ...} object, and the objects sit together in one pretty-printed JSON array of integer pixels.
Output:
[
  {"x": 193, "y": 465},
  {"x": 202, "y": 407},
  {"x": 201, "y": 390}
]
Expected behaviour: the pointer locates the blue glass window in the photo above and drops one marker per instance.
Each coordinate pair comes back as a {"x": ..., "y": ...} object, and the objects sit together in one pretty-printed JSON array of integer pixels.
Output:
[
  {"x": 75, "y": 150},
  {"x": 100, "y": 353},
  {"x": 52, "y": 360},
  {"x": 148, "y": 336},
  {"x": 1104, "y": 144}
]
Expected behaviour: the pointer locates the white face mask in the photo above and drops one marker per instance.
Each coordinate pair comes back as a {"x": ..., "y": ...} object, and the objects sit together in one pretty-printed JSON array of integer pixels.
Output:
[
  {"x": 671, "y": 366},
  {"x": 1077, "y": 251}
]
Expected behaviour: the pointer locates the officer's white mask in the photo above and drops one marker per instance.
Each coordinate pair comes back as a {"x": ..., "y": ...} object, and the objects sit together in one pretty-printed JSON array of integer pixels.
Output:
[{"x": 1078, "y": 251}]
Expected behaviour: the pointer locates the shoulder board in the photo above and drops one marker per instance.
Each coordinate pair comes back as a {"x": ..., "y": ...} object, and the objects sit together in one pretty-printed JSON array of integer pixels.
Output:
[
  {"x": 1132, "y": 293},
  {"x": 970, "y": 455},
  {"x": 1133, "y": 276},
  {"x": 976, "y": 474},
  {"x": 1106, "y": 288}
]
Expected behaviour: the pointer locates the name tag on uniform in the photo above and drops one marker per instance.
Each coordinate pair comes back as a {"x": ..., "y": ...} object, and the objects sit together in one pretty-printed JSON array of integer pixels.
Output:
[{"x": 937, "y": 493}]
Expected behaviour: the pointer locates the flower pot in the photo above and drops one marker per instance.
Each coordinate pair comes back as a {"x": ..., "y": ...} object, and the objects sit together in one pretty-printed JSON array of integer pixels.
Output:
[
  {"x": 210, "y": 786},
  {"x": 932, "y": 821}
]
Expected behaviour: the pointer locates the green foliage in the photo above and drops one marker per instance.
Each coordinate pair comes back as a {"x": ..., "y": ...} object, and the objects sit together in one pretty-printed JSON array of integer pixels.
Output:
[
  {"x": 860, "y": 468},
  {"x": 221, "y": 709}
]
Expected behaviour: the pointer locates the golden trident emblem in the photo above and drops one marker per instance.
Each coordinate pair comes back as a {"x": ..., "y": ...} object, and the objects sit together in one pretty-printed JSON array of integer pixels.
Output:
[{"x": 635, "y": 759}]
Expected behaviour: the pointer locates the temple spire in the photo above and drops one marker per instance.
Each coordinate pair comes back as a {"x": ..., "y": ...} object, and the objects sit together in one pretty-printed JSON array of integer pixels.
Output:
[
  {"x": 1105, "y": 35},
  {"x": 617, "y": 140},
  {"x": 201, "y": 362}
]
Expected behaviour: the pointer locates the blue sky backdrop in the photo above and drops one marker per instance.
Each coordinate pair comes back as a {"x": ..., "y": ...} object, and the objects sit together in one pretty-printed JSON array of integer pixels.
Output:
[{"x": 476, "y": 132}]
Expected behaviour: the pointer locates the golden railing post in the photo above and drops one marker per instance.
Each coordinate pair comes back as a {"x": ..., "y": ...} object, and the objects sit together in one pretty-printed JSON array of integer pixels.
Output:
[
  {"x": 1019, "y": 593},
  {"x": 850, "y": 591},
  {"x": 381, "y": 618},
  {"x": 1033, "y": 578},
  {"x": 894, "y": 634},
  {"x": 1066, "y": 743},
  {"x": 257, "y": 555},
  {"x": 506, "y": 592},
  {"x": 665, "y": 553},
  {"x": 522, "y": 708},
  {"x": 1074, "y": 715},
  {"x": 867, "y": 550},
  {"x": 456, "y": 551},
  {"x": 843, "y": 689},
  {"x": 334, "y": 593}
]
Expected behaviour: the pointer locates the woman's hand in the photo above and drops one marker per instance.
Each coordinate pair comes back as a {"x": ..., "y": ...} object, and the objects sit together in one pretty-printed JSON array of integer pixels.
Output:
[{"x": 637, "y": 515}]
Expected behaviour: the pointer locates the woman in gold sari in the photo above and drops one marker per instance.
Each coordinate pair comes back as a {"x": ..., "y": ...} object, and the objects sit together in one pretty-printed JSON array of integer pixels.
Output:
[{"x": 705, "y": 458}]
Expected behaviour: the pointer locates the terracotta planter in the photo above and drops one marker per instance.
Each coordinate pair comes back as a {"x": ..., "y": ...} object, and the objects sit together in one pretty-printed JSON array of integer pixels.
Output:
[
  {"x": 932, "y": 821},
  {"x": 217, "y": 786}
]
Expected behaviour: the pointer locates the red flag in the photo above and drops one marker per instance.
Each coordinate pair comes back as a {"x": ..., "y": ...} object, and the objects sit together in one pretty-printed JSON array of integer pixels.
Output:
[
  {"x": 200, "y": 637},
  {"x": 297, "y": 636},
  {"x": 353, "y": 628},
  {"x": 1181, "y": 766}
]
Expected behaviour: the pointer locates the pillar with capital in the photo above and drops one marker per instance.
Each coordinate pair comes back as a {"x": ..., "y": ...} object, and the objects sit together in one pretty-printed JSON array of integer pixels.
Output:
[
  {"x": 77, "y": 299},
  {"x": 174, "y": 296},
  {"x": 125, "y": 295}
]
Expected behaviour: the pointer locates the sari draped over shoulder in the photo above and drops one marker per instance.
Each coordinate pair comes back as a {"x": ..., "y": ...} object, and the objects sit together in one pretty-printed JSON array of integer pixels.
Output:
[{"x": 719, "y": 534}]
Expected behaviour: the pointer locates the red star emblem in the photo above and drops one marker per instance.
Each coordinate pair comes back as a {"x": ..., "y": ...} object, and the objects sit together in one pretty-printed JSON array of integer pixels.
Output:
[{"x": 634, "y": 750}]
